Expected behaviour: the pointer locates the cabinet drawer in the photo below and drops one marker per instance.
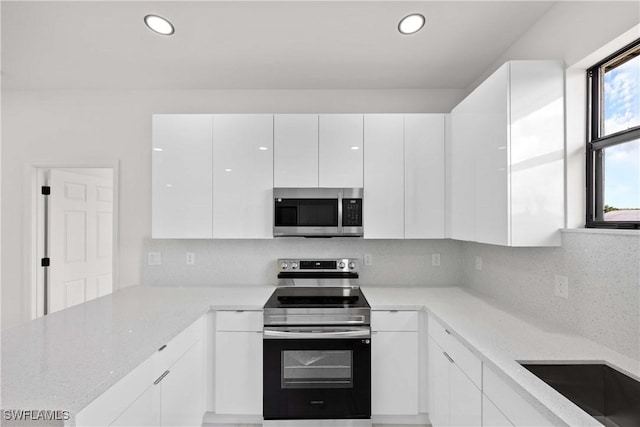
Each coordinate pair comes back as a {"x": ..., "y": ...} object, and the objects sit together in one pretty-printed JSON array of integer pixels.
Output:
[
  {"x": 510, "y": 403},
  {"x": 394, "y": 320},
  {"x": 461, "y": 355},
  {"x": 178, "y": 346},
  {"x": 439, "y": 333},
  {"x": 240, "y": 320}
]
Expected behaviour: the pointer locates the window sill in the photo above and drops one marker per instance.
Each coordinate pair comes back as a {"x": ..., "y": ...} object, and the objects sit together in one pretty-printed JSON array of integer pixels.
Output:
[{"x": 614, "y": 231}]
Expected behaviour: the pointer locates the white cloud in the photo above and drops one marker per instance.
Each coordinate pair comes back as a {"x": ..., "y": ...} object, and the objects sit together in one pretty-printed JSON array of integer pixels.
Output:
[{"x": 622, "y": 97}]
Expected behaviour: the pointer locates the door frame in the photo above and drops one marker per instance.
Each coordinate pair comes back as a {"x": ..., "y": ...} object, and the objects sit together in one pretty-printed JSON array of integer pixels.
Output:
[{"x": 33, "y": 240}]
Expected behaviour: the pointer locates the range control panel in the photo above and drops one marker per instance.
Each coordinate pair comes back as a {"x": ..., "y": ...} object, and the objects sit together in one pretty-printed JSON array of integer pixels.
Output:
[{"x": 319, "y": 265}]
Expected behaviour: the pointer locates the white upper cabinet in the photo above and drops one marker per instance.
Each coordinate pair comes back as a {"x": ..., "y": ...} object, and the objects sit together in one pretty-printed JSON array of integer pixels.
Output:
[
  {"x": 295, "y": 159},
  {"x": 507, "y": 166},
  {"x": 404, "y": 175},
  {"x": 383, "y": 176},
  {"x": 181, "y": 176},
  {"x": 341, "y": 148},
  {"x": 242, "y": 176},
  {"x": 424, "y": 176}
]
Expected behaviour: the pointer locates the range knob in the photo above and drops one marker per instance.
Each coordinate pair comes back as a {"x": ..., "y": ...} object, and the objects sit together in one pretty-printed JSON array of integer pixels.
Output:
[
  {"x": 284, "y": 265},
  {"x": 352, "y": 265},
  {"x": 294, "y": 265},
  {"x": 341, "y": 264}
]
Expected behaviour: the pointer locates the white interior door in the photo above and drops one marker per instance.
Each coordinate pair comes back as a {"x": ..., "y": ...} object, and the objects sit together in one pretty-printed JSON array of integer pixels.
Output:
[{"x": 80, "y": 236}]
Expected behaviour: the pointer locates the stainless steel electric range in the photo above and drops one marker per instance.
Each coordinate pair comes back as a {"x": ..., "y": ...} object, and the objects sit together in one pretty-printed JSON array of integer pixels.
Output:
[{"x": 317, "y": 346}]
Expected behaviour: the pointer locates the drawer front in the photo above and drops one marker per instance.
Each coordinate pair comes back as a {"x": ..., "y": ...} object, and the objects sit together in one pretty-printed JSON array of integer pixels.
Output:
[
  {"x": 394, "y": 320},
  {"x": 468, "y": 362},
  {"x": 179, "y": 345},
  {"x": 439, "y": 333},
  {"x": 240, "y": 320},
  {"x": 510, "y": 403}
]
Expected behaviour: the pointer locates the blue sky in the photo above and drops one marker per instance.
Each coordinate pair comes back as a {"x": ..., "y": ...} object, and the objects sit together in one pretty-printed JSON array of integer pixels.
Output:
[{"x": 622, "y": 111}]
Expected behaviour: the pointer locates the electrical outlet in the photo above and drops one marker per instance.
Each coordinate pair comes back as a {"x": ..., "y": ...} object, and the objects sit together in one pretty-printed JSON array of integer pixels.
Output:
[
  {"x": 368, "y": 259},
  {"x": 435, "y": 260},
  {"x": 154, "y": 258},
  {"x": 190, "y": 258},
  {"x": 478, "y": 263},
  {"x": 562, "y": 286}
]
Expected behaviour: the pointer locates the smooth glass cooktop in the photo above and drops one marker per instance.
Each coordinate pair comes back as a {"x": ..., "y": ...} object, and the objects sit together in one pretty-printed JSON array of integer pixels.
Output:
[{"x": 316, "y": 297}]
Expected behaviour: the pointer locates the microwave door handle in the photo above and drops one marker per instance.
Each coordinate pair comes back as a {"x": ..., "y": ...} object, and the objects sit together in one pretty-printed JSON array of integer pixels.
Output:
[
  {"x": 272, "y": 334},
  {"x": 339, "y": 212}
]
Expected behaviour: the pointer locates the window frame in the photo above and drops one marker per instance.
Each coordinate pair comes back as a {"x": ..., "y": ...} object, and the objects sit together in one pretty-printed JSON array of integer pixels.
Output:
[{"x": 597, "y": 143}]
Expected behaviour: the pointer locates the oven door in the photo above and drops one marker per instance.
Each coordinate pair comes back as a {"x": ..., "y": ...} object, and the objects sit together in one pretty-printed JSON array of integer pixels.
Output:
[{"x": 317, "y": 373}]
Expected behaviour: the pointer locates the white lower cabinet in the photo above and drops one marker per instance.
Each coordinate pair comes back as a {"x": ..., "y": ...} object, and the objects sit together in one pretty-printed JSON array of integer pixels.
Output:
[
  {"x": 516, "y": 410},
  {"x": 238, "y": 363},
  {"x": 176, "y": 400},
  {"x": 145, "y": 411},
  {"x": 394, "y": 363},
  {"x": 455, "y": 396},
  {"x": 183, "y": 390},
  {"x": 492, "y": 416},
  {"x": 167, "y": 389}
]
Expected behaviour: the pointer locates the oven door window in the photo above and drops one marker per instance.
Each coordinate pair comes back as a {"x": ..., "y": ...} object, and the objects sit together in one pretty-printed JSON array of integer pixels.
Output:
[{"x": 317, "y": 369}]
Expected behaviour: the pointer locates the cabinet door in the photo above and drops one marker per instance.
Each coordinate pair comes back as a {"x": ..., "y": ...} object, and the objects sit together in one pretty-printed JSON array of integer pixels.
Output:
[
  {"x": 491, "y": 415},
  {"x": 295, "y": 145},
  {"x": 462, "y": 173},
  {"x": 489, "y": 124},
  {"x": 181, "y": 200},
  {"x": 183, "y": 390},
  {"x": 465, "y": 399},
  {"x": 238, "y": 368},
  {"x": 424, "y": 176},
  {"x": 438, "y": 385},
  {"x": 243, "y": 176},
  {"x": 394, "y": 373},
  {"x": 383, "y": 176},
  {"x": 144, "y": 411},
  {"x": 341, "y": 150},
  {"x": 536, "y": 152}
]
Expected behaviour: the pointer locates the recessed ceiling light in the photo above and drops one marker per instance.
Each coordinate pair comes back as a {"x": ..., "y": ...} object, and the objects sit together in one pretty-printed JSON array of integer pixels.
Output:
[
  {"x": 227, "y": 170},
  {"x": 263, "y": 148},
  {"x": 158, "y": 149},
  {"x": 411, "y": 23},
  {"x": 159, "y": 24},
  {"x": 355, "y": 147}
]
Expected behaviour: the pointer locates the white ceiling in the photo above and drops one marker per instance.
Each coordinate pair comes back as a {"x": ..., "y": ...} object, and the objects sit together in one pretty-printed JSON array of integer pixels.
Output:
[{"x": 256, "y": 45}]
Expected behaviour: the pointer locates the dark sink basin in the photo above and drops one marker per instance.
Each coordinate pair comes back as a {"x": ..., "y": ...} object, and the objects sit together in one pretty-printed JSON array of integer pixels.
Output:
[{"x": 609, "y": 396}]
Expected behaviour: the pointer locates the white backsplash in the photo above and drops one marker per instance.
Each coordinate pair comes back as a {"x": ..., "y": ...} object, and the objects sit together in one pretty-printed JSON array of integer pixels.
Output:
[
  {"x": 603, "y": 271},
  {"x": 253, "y": 262},
  {"x": 604, "y": 284}
]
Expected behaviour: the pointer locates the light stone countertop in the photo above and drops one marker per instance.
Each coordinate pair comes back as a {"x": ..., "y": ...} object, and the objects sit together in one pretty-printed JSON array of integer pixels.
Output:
[
  {"x": 67, "y": 359},
  {"x": 502, "y": 338}
]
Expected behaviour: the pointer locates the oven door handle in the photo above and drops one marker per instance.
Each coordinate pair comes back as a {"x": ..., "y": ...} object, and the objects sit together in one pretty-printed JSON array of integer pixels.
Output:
[{"x": 277, "y": 334}]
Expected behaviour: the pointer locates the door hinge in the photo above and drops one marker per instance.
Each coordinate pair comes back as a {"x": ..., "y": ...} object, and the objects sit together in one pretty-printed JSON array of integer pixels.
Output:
[
  {"x": 46, "y": 190},
  {"x": 45, "y": 262}
]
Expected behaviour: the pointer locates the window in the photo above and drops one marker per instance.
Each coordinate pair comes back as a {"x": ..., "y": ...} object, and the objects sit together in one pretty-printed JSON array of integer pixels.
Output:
[{"x": 613, "y": 146}]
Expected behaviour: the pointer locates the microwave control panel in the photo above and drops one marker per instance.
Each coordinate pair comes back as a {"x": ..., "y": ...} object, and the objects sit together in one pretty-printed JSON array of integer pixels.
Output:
[{"x": 352, "y": 212}]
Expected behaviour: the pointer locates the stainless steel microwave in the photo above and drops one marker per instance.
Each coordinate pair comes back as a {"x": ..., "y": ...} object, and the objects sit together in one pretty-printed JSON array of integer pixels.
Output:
[{"x": 317, "y": 212}]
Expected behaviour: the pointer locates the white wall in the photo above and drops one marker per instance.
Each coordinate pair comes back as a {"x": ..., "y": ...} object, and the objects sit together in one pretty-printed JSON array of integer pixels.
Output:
[
  {"x": 603, "y": 269},
  {"x": 109, "y": 126}
]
